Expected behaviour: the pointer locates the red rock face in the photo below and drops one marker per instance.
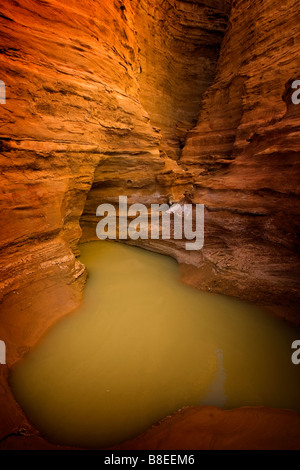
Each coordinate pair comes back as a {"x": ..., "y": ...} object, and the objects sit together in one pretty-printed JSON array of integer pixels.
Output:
[
  {"x": 209, "y": 428},
  {"x": 241, "y": 160},
  {"x": 79, "y": 79},
  {"x": 244, "y": 155},
  {"x": 100, "y": 96},
  {"x": 74, "y": 115}
]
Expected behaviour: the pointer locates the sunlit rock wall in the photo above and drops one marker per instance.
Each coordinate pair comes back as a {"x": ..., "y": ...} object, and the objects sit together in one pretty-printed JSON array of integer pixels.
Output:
[{"x": 83, "y": 83}]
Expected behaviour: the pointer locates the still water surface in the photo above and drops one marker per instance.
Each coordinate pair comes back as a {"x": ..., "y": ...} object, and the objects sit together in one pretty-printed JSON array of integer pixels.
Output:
[{"x": 143, "y": 345}]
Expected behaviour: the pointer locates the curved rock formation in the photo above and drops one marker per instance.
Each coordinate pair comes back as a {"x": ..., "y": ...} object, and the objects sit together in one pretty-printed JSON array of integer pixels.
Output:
[
  {"x": 209, "y": 428},
  {"x": 74, "y": 116},
  {"x": 100, "y": 97},
  {"x": 198, "y": 428}
]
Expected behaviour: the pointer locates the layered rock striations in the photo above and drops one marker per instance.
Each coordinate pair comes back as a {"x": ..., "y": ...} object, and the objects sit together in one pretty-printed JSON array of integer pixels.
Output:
[
  {"x": 178, "y": 45},
  {"x": 75, "y": 114},
  {"x": 241, "y": 160},
  {"x": 100, "y": 97},
  {"x": 244, "y": 155}
]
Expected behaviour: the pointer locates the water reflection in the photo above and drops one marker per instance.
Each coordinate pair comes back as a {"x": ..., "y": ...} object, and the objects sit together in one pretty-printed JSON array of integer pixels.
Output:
[{"x": 216, "y": 395}]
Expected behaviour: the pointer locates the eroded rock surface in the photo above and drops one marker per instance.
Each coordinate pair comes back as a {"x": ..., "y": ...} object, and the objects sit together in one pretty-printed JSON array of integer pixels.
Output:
[
  {"x": 209, "y": 428},
  {"x": 100, "y": 96},
  {"x": 241, "y": 160},
  {"x": 75, "y": 114},
  {"x": 197, "y": 428},
  {"x": 244, "y": 156}
]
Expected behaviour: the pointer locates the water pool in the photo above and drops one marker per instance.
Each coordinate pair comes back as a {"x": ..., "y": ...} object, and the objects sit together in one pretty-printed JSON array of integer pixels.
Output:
[{"x": 142, "y": 346}]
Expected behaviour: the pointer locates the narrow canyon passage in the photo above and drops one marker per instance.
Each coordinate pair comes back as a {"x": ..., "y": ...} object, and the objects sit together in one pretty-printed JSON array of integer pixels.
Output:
[{"x": 164, "y": 102}]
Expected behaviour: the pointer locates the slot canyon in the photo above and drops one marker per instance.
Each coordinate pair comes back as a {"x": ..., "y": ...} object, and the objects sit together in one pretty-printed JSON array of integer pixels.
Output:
[{"x": 161, "y": 101}]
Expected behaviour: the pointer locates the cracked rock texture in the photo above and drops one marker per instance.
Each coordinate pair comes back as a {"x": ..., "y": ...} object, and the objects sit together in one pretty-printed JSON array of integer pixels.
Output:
[{"x": 142, "y": 98}]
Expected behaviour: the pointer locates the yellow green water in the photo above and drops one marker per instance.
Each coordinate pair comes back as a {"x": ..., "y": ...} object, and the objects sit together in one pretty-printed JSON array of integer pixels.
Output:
[{"x": 143, "y": 345}]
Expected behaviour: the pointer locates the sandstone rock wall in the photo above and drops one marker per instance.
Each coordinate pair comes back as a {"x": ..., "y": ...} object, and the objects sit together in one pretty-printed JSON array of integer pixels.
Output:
[
  {"x": 178, "y": 44},
  {"x": 80, "y": 77},
  {"x": 241, "y": 160},
  {"x": 76, "y": 114},
  {"x": 100, "y": 96},
  {"x": 244, "y": 154}
]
